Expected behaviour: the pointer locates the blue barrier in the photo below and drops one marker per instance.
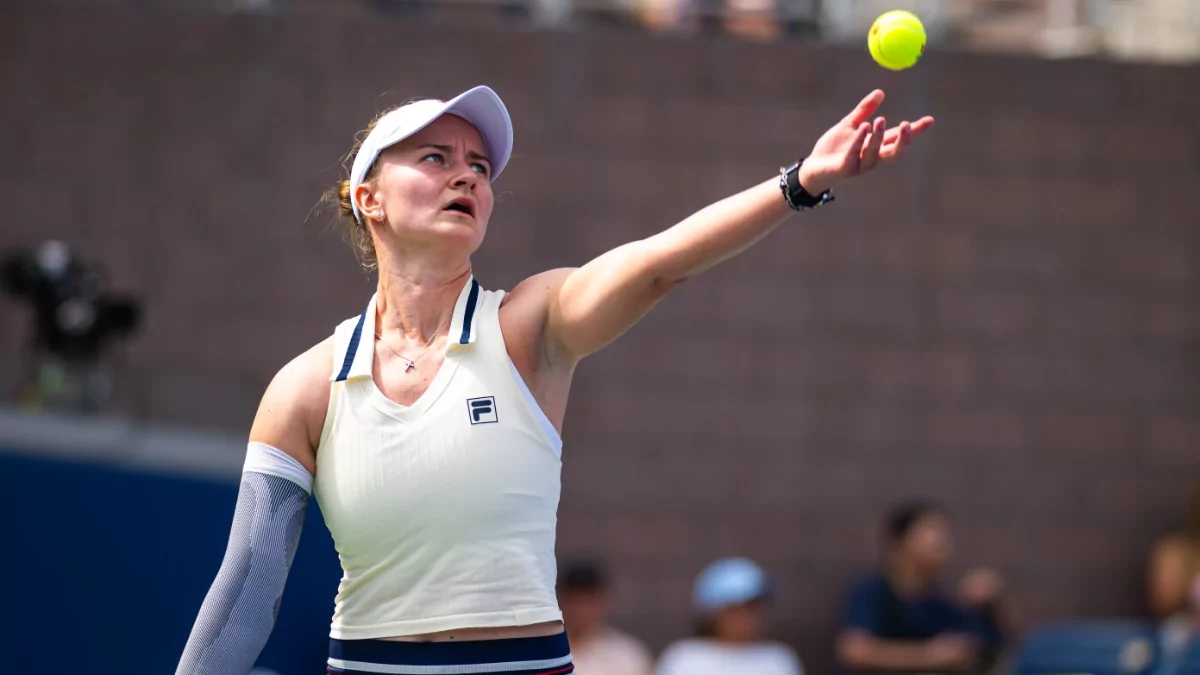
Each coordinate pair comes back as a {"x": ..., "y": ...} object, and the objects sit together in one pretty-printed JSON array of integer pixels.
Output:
[
  {"x": 1188, "y": 662},
  {"x": 1094, "y": 647},
  {"x": 104, "y": 570}
]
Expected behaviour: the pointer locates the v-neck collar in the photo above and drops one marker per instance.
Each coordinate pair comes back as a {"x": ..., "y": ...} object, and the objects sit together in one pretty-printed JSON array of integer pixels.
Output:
[{"x": 360, "y": 355}]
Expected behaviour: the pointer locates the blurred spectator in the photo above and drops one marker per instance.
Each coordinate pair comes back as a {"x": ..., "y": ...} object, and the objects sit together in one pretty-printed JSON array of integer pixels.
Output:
[
  {"x": 549, "y": 13},
  {"x": 898, "y": 620},
  {"x": 1174, "y": 582},
  {"x": 730, "y": 599},
  {"x": 1174, "y": 568},
  {"x": 597, "y": 647},
  {"x": 666, "y": 16},
  {"x": 752, "y": 19}
]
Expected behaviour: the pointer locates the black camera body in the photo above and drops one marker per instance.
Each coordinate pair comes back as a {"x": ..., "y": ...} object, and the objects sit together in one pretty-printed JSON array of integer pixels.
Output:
[{"x": 75, "y": 316}]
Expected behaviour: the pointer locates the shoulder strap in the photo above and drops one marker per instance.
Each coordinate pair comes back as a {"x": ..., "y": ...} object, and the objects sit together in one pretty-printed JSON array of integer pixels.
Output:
[{"x": 350, "y": 357}]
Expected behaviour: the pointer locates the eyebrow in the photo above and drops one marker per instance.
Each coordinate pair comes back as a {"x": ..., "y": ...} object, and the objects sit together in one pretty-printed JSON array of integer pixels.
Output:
[{"x": 471, "y": 154}]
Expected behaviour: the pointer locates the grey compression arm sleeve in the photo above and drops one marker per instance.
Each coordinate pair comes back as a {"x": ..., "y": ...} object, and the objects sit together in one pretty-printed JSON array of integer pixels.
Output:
[{"x": 239, "y": 612}]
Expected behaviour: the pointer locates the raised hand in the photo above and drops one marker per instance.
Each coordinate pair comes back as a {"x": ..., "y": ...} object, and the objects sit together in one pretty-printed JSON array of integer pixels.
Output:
[
  {"x": 855, "y": 145},
  {"x": 980, "y": 587}
]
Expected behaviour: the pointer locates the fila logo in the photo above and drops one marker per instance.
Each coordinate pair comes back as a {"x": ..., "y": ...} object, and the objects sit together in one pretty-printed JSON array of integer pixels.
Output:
[{"x": 482, "y": 410}]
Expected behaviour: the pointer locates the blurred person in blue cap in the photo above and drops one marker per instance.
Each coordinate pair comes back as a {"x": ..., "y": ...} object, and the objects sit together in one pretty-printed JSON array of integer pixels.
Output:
[
  {"x": 730, "y": 600},
  {"x": 428, "y": 425},
  {"x": 598, "y": 647},
  {"x": 898, "y": 619}
]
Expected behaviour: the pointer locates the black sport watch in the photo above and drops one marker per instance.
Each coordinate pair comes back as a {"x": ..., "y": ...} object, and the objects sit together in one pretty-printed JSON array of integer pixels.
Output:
[{"x": 794, "y": 194}]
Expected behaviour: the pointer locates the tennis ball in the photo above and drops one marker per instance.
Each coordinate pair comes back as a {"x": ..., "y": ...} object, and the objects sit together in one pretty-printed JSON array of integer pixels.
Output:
[{"x": 896, "y": 40}]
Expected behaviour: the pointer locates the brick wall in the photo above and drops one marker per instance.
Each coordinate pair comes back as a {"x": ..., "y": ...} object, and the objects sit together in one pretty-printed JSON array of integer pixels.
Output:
[{"x": 1006, "y": 322}]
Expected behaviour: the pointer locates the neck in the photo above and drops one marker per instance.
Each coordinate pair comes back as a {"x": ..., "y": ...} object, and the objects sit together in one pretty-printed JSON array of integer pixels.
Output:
[
  {"x": 414, "y": 302},
  {"x": 906, "y": 579},
  {"x": 737, "y": 640}
]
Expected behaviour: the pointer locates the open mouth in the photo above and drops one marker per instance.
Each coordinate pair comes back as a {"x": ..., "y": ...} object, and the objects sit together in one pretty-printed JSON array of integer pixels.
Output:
[{"x": 462, "y": 206}]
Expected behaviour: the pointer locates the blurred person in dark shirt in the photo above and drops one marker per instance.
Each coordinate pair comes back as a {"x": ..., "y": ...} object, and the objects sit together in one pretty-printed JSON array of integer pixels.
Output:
[
  {"x": 899, "y": 620},
  {"x": 597, "y": 648}
]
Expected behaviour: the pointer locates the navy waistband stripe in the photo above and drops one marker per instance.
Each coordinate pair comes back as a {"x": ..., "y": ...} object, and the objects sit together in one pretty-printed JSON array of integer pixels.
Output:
[
  {"x": 452, "y": 653},
  {"x": 352, "y": 348},
  {"x": 565, "y": 670}
]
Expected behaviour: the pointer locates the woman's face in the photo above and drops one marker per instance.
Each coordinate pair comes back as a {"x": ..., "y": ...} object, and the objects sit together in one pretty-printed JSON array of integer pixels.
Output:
[
  {"x": 434, "y": 188},
  {"x": 746, "y": 622}
]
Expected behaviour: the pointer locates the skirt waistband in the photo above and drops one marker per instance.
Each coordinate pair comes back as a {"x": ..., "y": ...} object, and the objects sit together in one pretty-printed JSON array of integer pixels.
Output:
[{"x": 548, "y": 655}]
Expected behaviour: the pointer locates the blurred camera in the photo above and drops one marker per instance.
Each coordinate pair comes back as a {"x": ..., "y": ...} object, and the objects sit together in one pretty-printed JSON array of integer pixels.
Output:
[
  {"x": 75, "y": 315},
  {"x": 75, "y": 319}
]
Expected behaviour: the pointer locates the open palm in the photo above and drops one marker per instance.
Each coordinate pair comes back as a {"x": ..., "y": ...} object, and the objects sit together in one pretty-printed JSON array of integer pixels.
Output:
[{"x": 855, "y": 145}]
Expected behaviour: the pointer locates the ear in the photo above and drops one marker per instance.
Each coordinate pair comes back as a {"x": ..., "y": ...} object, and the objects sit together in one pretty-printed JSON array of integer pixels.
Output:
[{"x": 368, "y": 202}]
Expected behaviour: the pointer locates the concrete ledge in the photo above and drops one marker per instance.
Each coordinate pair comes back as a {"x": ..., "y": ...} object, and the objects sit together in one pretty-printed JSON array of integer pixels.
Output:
[{"x": 122, "y": 443}]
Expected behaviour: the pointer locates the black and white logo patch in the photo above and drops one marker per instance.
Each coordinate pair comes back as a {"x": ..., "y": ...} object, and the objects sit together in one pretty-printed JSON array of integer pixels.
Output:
[{"x": 482, "y": 410}]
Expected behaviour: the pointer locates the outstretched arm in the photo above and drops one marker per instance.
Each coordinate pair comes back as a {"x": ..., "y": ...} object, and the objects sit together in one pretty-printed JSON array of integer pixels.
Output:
[{"x": 593, "y": 305}]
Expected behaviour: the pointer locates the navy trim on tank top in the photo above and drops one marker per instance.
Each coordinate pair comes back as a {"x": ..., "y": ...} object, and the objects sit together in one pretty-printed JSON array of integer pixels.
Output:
[
  {"x": 469, "y": 314},
  {"x": 352, "y": 349}
]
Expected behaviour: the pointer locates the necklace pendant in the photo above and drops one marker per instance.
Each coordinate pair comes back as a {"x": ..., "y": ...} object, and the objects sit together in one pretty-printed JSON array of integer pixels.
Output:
[{"x": 409, "y": 364}]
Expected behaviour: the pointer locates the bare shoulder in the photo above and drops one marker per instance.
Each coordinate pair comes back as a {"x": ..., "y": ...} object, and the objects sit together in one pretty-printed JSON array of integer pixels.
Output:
[
  {"x": 536, "y": 291},
  {"x": 524, "y": 310},
  {"x": 292, "y": 410}
]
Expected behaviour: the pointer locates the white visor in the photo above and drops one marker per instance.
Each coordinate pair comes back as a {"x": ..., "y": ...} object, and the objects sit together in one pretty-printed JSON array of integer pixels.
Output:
[{"x": 480, "y": 106}]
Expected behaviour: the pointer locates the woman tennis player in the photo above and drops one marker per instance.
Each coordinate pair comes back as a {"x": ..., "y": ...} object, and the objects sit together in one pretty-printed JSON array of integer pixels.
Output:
[{"x": 427, "y": 427}]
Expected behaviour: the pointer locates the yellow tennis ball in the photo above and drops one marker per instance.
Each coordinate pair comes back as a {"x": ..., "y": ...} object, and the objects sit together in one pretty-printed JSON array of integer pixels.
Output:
[{"x": 896, "y": 40}]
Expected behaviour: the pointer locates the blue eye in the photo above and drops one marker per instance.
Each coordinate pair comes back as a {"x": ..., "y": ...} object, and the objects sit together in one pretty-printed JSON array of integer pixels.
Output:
[
  {"x": 436, "y": 156},
  {"x": 481, "y": 168}
]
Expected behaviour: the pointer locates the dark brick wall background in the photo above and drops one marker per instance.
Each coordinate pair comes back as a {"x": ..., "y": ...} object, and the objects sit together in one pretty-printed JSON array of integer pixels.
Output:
[{"x": 1006, "y": 322}]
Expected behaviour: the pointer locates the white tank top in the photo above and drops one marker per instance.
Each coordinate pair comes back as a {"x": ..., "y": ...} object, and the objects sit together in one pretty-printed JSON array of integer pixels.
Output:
[{"x": 443, "y": 513}]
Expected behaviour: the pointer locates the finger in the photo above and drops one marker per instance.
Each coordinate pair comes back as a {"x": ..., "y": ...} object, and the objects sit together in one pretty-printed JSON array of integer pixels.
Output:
[
  {"x": 917, "y": 127},
  {"x": 891, "y": 151},
  {"x": 867, "y": 107},
  {"x": 870, "y": 153},
  {"x": 854, "y": 149},
  {"x": 921, "y": 125},
  {"x": 904, "y": 136}
]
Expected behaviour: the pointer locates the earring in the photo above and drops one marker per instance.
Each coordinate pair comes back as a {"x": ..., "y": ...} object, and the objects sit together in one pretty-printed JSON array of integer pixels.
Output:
[{"x": 380, "y": 217}]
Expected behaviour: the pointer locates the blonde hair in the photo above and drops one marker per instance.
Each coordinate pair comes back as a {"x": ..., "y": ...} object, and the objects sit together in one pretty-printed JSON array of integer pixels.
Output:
[{"x": 358, "y": 234}]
